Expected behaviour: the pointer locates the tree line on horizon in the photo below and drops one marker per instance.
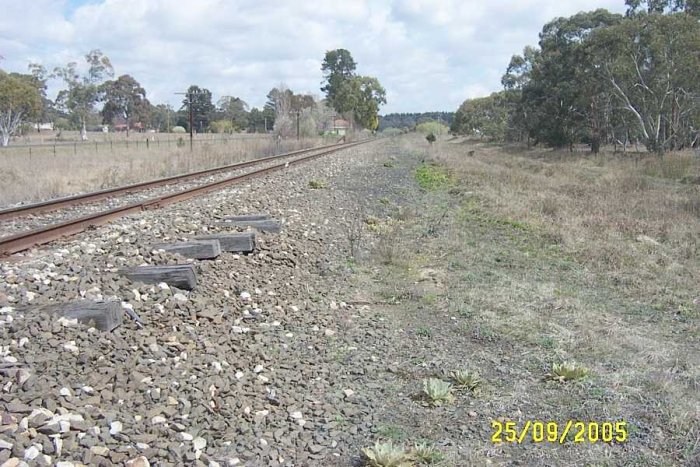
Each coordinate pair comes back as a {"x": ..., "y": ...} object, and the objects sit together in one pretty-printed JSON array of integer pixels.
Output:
[
  {"x": 94, "y": 98},
  {"x": 601, "y": 78}
]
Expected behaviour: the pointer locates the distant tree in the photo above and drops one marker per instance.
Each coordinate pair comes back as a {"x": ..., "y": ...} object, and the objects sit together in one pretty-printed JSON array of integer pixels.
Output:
[
  {"x": 83, "y": 91},
  {"x": 202, "y": 106},
  {"x": 367, "y": 96},
  {"x": 124, "y": 99},
  {"x": 356, "y": 97},
  {"x": 162, "y": 117},
  {"x": 234, "y": 110},
  {"x": 338, "y": 69},
  {"x": 19, "y": 98},
  {"x": 431, "y": 138}
]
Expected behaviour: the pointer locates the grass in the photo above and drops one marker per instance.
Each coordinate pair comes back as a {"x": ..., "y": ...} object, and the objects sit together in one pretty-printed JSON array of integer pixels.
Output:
[
  {"x": 80, "y": 167},
  {"x": 316, "y": 184},
  {"x": 546, "y": 258},
  {"x": 432, "y": 177}
]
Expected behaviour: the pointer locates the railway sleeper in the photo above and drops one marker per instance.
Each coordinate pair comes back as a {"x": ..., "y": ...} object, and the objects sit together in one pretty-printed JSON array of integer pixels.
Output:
[
  {"x": 105, "y": 316},
  {"x": 264, "y": 226},
  {"x": 182, "y": 276},
  {"x": 196, "y": 249},
  {"x": 232, "y": 242}
]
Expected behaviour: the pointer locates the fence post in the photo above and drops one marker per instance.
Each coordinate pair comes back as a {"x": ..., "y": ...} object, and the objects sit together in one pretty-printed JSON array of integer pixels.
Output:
[
  {"x": 54, "y": 150},
  {"x": 137, "y": 144},
  {"x": 111, "y": 148},
  {"x": 148, "y": 144},
  {"x": 75, "y": 148},
  {"x": 96, "y": 147}
]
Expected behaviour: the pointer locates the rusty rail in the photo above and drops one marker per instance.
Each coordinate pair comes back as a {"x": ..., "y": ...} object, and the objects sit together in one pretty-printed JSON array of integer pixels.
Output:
[
  {"x": 54, "y": 204},
  {"x": 25, "y": 240}
]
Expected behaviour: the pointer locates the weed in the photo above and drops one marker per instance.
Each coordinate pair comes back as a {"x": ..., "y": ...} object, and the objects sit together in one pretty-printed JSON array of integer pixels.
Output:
[
  {"x": 392, "y": 432},
  {"x": 433, "y": 177},
  {"x": 466, "y": 379},
  {"x": 316, "y": 184},
  {"x": 437, "y": 391},
  {"x": 384, "y": 201},
  {"x": 567, "y": 371},
  {"x": 388, "y": 164},
  {"x": 386, "y": 455},
  {"x": 426, "y": 453},
  {"x": 546, "y": 342},
  {"x": 429, "y": 299},
  {"x": 424, "y": 332}
]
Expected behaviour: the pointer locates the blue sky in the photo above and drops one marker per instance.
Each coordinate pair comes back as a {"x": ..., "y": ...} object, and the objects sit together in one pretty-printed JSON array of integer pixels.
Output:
[{"x": 428, "y": 54}]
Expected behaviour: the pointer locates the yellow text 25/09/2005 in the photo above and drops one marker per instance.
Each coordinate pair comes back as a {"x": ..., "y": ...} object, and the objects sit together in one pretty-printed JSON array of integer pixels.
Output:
[{"x": 575, "y": 431}]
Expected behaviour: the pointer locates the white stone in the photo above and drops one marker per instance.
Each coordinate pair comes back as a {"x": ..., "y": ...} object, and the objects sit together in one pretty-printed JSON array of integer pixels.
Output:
[
  {"x": 87, "y": 389},
  {"x": 22, "y": 342},
  {"x": 348, "y": 392},
  {"x": 31, "y": 453},
  {"x": 5, "y": 444},
  {"x": 296, "y": 415},
  {"x": 238, "y": 375},
  {"x": 180, "y": 297},
  {"x": 245, "y": 296},
  {"x": 199, "y": 443},
  {"x": 186, "y": 436},
  {"x": 258, "y": 368},
  {"x": 99, "y": 450},
  {"x": 115, "y": 427},
  {"x": 329, "y": 332},
  {"x": 158, "y": 420}
]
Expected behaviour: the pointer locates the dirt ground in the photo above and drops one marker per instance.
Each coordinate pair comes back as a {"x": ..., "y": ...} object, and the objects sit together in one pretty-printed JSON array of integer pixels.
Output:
[{"x": 494, "y": 268}]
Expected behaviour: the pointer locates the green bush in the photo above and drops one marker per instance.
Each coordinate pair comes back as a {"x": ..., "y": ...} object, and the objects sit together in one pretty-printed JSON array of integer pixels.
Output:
[
  {"x": 178, "y": 129},
  {"x": 436, "y": 128}
]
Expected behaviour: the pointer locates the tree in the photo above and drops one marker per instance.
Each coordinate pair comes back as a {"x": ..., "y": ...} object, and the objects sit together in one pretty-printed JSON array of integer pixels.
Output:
[
  {"x": 19, "y": 98},
  {"x": 235, "y": 110},
  {"x": 124, "y": 99},
  {"x": 367, "y": 96},
  {"x": 649, "y": 63},
  {"x": 338, "y": 69},
  {"x": 83, "y": 91},
  {"x": 634, "y": 7},
  {"x": 202, "y": 107},
  {"x": 357, "y": 97}
]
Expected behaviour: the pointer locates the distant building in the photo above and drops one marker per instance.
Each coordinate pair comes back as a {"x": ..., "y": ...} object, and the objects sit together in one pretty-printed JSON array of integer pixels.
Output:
[
  {"x": 41, "y": 126},
  {"x": 340, "y": 126},
  {"x": 135, "y": 126}
]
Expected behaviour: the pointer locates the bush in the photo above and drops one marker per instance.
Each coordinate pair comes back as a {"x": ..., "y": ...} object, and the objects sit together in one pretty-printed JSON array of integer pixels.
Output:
[
  {"x": 436, "y": 128},
  {"x": 178, "y": 129},
  {"x": 391, "y": 131}
]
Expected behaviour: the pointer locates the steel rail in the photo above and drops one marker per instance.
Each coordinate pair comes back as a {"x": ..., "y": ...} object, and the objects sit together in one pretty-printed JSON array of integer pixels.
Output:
[
  {"x": 54, "y": 204},
  {"x": 25, "y": 240}
]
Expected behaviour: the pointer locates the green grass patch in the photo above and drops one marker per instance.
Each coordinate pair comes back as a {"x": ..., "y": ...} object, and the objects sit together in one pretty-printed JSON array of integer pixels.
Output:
[{"x": 433, "y": 177}]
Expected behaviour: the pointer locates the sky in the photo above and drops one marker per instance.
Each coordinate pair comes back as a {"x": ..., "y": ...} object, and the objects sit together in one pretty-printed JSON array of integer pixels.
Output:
[{"x": 428, "y": 54}]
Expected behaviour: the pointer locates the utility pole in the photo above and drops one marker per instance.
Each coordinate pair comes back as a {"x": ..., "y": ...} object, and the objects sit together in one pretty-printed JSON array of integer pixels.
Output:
[
  {"x": 189, "y": 105},
  {"x": 298, "y": 114}
]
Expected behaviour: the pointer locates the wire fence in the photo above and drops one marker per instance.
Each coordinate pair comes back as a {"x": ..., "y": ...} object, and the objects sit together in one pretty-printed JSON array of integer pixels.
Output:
[{"x": 120, "y": 145}]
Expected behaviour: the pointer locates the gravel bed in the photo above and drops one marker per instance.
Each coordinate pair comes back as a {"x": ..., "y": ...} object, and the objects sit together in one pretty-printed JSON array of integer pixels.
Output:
[
  {"x": 36, "y": 221},
  {"x": 271, "y": 360}
]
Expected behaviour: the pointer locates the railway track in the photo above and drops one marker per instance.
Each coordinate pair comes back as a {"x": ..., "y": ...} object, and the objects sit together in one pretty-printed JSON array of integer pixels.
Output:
[
  {"x": 54, "y": 204},
  {"x": 24, "y": 240}
]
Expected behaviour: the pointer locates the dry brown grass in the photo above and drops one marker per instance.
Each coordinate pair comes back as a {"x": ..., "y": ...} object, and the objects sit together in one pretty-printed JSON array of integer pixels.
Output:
[
  {"x": 83, "y": 167},
  {"x": 549, "y": 257}
]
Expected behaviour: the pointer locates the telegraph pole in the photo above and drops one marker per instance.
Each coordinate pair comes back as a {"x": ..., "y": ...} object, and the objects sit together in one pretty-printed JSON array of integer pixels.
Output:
[
  {"x": 298, "y": 114},
  {"x": 189, "y": 105}
]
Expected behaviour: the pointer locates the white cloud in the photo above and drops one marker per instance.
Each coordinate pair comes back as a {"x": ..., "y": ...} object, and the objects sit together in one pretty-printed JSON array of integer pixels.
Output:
[{"x": 429, "y": 54}]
